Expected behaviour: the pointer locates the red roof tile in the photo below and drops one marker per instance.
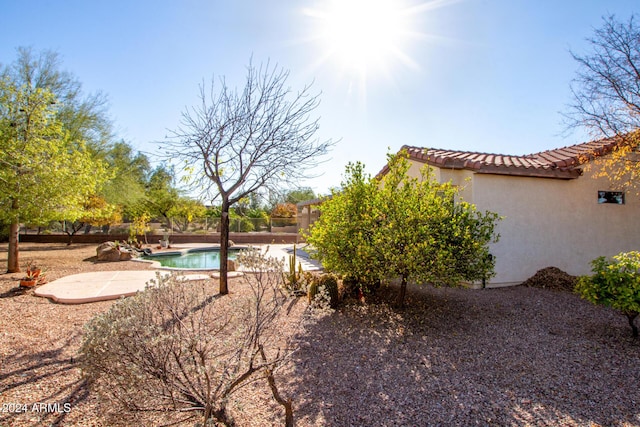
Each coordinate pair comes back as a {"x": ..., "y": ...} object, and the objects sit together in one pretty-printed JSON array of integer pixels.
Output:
[{"x": 562, "y": 163}]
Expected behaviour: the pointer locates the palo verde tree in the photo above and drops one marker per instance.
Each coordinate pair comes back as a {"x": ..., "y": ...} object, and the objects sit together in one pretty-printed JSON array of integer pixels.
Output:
[
  {"x": 236, "y": 142},
  {"x": 131, "y": 171},
  {"x": 396, "y": 226},
  {"x": 44, "y": 175},
  {"x": 606, "y": 96},
  {"x": 161, "y": 194},
  {"x": 83, "y": 116},
  {"x": 51, "y": 136}
]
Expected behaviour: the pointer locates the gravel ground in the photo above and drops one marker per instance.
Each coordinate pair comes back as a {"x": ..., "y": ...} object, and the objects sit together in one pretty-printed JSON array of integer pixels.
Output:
[{"x": 516, "y": 356}]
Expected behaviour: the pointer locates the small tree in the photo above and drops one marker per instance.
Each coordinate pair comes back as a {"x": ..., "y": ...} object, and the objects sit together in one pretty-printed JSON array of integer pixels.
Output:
[
  {"x": 140, "y": 226},
  {"x": 615, "y": 284},
  {"x": 398, "y": 226},
  {"x": 185, "y": 211},
  {"x": 96, "y": 212},
  {"x": 234, "y": 144},
  {"x": 343, "y": 235},
  {"x": 427, "y": 236},
  {"x": 43, "y": 175}
]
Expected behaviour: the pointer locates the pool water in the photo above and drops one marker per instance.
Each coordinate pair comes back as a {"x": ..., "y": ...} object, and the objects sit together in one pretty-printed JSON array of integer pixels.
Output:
[{"x": 195, "y": 259}]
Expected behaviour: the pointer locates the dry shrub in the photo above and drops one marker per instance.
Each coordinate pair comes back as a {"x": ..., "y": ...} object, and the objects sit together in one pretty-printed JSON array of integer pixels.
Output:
[{"x": 176, "y": 348}]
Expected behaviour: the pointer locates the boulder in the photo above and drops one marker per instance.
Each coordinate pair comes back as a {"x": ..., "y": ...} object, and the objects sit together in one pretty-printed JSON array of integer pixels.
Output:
[
  {"x": 108, "y": 251},
  {"x": 125, "y": 256},
  {"x": 231, "y": 265}
]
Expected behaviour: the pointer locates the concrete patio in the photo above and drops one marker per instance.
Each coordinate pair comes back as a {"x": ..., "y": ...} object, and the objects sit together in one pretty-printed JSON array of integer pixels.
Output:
[{"x": 108, "y": 285}]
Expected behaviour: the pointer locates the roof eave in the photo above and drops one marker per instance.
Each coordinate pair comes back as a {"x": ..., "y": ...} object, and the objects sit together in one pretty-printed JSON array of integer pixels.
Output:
[{"x": 565, "y": 174}]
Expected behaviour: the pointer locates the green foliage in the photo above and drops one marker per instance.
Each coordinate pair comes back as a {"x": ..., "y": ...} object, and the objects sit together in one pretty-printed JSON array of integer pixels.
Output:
[
  {"x": 343, "y": 236},
  {"x": 139, "y": 226},
  {"x": 161, "y": 194},
  {"x": 130, "y": 171},
  {"x": 184, "y": 211},
  {"x": 49, "y": 137},
  {"x": 398, "y": 226},
  {"x": 44, "y": 175},
  {"x": 615, "y": 283},
  {"x": 83, "y": 116},
  {"x": 299, "y": 195}
]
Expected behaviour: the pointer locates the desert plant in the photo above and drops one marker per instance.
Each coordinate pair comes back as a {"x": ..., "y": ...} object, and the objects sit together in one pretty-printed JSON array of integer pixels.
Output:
[
  {"x": 330, "y": 283},
  {"x": 615, "y": 284},
  {"x": 294, "y": 279},
  {"x": 322, "y": 287},
  {"x": 174, "y": 347},
  {"x": 312, "y": 291}
]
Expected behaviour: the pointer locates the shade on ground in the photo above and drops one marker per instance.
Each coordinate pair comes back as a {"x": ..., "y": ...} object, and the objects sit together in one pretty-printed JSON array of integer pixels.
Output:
[{"x": 102, "y": 285}]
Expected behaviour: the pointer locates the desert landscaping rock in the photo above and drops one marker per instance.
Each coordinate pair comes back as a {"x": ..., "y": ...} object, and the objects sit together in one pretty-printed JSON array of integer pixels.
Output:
[
  {"x": 519, "y": 356},
  {"x": 109, "y": 251}
]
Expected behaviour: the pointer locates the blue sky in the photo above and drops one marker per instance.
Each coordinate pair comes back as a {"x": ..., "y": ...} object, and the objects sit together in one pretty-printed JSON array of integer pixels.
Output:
[{"x": 478, "y": 75}]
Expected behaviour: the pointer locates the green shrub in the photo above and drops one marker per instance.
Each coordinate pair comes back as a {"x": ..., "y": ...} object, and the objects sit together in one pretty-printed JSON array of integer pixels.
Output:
[
  {"x": 398, "y": 226},
  {"x": 615, "y": 284}
]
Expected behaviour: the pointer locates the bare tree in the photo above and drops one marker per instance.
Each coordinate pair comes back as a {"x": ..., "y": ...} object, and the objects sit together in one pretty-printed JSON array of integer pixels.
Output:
[
  {"x": 606, "y": 95},
  {"x": 234, "y": 143}
]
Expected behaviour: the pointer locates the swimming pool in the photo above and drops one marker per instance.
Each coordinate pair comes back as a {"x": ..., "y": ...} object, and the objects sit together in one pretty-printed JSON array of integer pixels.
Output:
[{"x": 192, "y": 259}]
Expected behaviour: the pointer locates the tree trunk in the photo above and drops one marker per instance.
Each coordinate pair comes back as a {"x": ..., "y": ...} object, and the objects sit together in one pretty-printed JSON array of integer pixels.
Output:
[
  {"x": 13, "y": 264},
  {"x": 224, "y": 247},
  {"x": 403, "y": 291}
]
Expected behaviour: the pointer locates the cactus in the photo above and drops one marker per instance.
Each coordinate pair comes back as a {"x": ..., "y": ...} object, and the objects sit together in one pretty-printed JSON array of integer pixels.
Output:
[
  {"x": 331, "y": 285},
  {"x": 292, "y": 279},
  {"x": 312, "y": 291}
]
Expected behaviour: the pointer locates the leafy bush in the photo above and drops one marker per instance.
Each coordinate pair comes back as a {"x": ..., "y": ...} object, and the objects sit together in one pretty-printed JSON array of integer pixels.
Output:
[
  {"x": 615, "y": 284},
  {"x": 398, "y": 226},
  {"x": 174, "y": 347}
]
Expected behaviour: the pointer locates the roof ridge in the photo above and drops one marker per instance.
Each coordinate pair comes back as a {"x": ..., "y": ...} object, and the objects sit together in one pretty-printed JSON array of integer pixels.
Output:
[
  {"x": 458, "y": 151},
  {"x": 599, "y": 142},
  {"x": 560, "y": 162}
]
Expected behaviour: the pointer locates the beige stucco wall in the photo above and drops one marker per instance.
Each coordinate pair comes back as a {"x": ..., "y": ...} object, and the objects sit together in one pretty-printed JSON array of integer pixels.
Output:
[
  {"x": 552, "y": 222},
  {"x": 548, "y": 222},
  {"x": 463, "y": 179}
]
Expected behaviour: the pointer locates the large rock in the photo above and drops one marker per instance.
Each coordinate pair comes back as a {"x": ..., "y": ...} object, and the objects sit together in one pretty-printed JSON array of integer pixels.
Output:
[{"x": 108, "y": 251}]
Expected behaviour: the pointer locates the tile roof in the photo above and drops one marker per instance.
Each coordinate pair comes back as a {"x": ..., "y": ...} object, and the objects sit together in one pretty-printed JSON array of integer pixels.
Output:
[{"x": 562, "y": 163}]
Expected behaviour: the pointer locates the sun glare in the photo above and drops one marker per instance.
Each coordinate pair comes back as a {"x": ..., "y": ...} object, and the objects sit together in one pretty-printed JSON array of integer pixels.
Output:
[
  {"x": 366, "y": 38},
  {"x": 363, "y": 34}
]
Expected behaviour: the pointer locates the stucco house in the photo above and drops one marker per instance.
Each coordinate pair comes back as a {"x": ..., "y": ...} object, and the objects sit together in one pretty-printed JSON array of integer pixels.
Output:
[{"x": 555, "y": 212}]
